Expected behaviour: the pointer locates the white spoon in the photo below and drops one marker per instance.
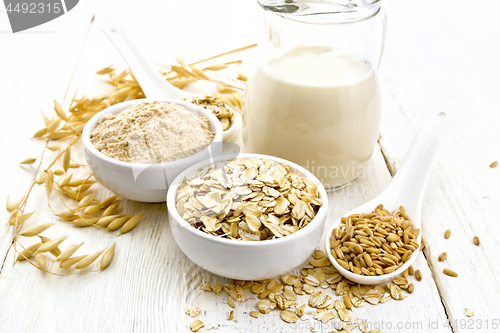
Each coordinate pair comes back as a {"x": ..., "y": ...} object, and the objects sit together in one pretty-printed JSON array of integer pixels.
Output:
[
  {"x": 152, "y": 83},
  {"x": 408, "y": 186}
]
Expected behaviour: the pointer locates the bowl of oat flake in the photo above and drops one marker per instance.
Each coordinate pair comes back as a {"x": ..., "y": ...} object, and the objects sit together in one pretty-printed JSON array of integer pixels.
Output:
[
  {"x": 138, "y": 147},
  {"x": 251, "y": 217}
]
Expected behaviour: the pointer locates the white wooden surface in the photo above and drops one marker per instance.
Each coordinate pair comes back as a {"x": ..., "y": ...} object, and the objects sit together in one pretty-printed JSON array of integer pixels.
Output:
[{"x": 436, "y": 49}]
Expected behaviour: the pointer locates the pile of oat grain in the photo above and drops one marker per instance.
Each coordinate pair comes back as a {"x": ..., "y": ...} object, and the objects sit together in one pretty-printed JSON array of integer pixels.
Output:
[{"x": 152, "y": 132}]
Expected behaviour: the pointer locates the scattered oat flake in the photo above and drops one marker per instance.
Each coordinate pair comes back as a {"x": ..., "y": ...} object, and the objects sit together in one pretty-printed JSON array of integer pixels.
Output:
[
  {"x": 288, "y": 316},
  {"x": 255, "y": 314},
  {"x": 468, "y": 312},
  {"x": 324, "y": 316},
  {"x": 193, "y": 312},
  {"x": 196, "y": 325},
  {"x": 213, "y": 326},
  {"x": 494, "y": 164}
]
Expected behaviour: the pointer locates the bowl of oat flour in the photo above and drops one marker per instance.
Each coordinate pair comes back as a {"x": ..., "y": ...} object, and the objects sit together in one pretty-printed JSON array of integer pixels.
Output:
[{"x": 137, "y": 148}]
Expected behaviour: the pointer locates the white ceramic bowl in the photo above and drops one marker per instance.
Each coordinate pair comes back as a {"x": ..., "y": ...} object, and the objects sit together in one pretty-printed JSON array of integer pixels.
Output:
[
  {"x": 246, "y": 260},
  {"x": 144, "y": 182}
]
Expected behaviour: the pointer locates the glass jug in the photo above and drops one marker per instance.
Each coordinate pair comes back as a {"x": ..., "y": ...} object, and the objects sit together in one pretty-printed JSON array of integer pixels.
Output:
[{"x": 314, "y": 97}]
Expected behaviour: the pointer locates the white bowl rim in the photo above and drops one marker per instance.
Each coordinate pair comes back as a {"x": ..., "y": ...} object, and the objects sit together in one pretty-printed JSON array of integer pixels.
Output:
[
  {"x": 119, "y": 107},
  {"x": 321, "y": 215}
]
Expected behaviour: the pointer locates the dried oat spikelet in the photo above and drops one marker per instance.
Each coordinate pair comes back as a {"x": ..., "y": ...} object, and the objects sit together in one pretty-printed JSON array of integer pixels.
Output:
[
  {"x": 107, "y": 202},
  {"x": 28, "y": 252},
  {"x": 179, "y": 59},
  {"x": 40, "y": 178},
  {"x": 105, "y": 70},
  {"x": 29, "y": 160},
  {"x": 85, "y": 222},
  {"x": 216, "y": 67},
  {"x": 106, "y": 220},
  {"x": 107, "y": 256},
  {"x": 89, "y": 260},
  {"x": 19, "y": 219},
  {"x": 49, "y": 183},
  {"x": 40, "y": 259},
  {"x": 242, "y": 76},
  {"x": 68, "y": 252},
  {"x": 92, "y": 210},
  {"x": 65, "y": 181},
  {"x": 36, "y": 229},
  {"x": 12, "y": 206},
  {"x": 40, "y": 133},
  {"x": 71, "y": 261},
  {"x": 59, "y": 111},
  {"x": 111, "y": 209},
  {"x": 53, "y": 147},
  {"x": 66, "y": 158},
  {"x": 132, "y": 223},
  {"x": 51, "y": 244},
  {"x": 87, "y": 200},
  {"x": 118, "y": 223}
]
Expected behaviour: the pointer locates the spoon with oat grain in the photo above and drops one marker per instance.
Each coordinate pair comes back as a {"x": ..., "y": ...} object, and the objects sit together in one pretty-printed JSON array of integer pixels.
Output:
[{"x": 406, "y": 189}]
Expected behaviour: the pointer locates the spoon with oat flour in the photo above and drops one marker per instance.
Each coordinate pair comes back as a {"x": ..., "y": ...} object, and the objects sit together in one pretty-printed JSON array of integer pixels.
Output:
[
  {"x": 155, "y": 86},
  {"x": 406, "y": 189}
]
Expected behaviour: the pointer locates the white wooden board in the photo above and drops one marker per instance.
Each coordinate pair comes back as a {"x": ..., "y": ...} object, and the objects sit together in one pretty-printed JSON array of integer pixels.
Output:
[{"x": 429, "y": 54}]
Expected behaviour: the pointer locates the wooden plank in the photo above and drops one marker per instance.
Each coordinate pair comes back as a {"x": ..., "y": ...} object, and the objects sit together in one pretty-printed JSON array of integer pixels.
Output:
[
  {"x": 463, "y": 193},
  {"x": 150, "y": 283},
  {"x": 159, "y": 276}
]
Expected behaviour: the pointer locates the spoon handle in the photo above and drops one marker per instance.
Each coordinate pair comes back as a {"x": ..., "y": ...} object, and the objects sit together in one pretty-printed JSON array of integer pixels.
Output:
[
  {"x": 411, "y": 179},
  {"x": 152, "y": 83}
]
